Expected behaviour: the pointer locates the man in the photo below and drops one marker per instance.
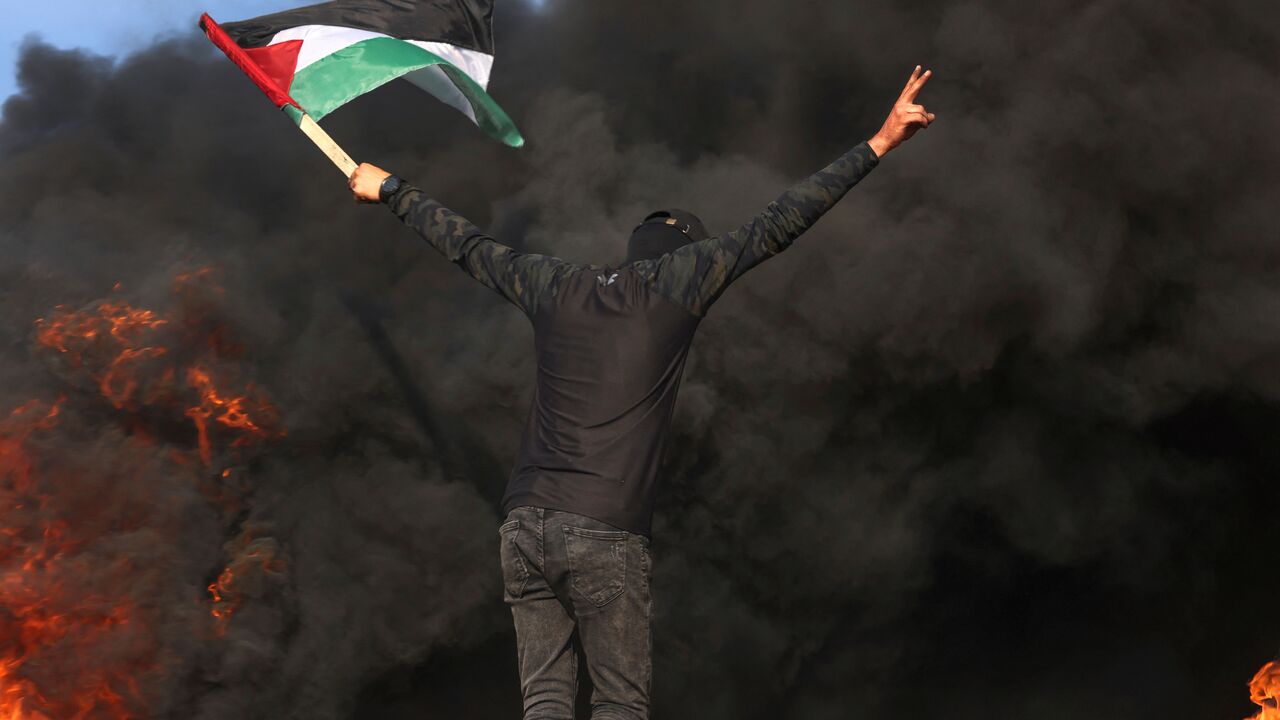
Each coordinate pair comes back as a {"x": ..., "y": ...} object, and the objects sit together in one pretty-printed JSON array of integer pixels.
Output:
[{"x": 611, "y": 345}]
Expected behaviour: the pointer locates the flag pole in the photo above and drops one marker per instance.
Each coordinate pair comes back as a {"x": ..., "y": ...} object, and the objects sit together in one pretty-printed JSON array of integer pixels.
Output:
[
  {"x": 278, "y": 95},
  {"x": 312, "y": 129}
]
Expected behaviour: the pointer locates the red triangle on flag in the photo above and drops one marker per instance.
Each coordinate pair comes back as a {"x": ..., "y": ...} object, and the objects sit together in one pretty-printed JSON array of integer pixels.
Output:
[{"x": 278, "y": 61}]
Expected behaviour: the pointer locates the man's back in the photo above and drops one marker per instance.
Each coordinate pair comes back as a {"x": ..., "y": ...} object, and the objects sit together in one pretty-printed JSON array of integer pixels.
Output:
[{"x": 610, "y": 353}]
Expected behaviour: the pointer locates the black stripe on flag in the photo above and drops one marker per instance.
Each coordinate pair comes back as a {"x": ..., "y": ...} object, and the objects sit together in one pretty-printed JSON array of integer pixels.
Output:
[{"x": 464, "y": 23}]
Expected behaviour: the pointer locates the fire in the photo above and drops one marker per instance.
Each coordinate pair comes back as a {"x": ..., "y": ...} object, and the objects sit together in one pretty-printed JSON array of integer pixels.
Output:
[
  {"x": 254, "y": 559},
  {"x": 43, "y": 616},
  {"x": 230, "y": 411},
  {"x": 14, "y": 464},
  {"x": 73, "y": 644},
  {"x": 118, "y": 344},
  {"x": 112, "y": 330},
  {"x": 1264, "y": 690},
  {"x": 217, "y": 589},
  {"x": 119, "y": 322}
]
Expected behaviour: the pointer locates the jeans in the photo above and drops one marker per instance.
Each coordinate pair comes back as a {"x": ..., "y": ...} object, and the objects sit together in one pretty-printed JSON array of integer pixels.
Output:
[{"x": 566, "y": 575}]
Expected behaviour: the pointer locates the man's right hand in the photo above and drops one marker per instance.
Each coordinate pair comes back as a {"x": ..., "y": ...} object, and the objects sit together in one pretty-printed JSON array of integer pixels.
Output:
[
  {"x": 905, "y": 118},
  {"x": 366, "y": 181}
]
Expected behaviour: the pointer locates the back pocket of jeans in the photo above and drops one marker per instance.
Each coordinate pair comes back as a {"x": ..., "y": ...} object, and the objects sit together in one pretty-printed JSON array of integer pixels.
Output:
[
  {"x": 597, "y": 563},
  {"x": 515, "y": 574}
]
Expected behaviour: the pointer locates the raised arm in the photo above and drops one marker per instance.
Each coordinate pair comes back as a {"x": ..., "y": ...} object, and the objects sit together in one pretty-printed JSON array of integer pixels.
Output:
[
  {"x": 696, "y": 275},
  {"x": 520, "y": 278}
]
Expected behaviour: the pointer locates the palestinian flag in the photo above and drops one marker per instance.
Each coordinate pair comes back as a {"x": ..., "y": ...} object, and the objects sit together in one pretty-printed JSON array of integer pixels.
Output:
[{"x": 315, "y": 59}]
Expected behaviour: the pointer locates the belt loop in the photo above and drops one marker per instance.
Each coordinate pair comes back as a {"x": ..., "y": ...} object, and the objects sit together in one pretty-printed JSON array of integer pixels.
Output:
[{"x": 542, "y": 555}]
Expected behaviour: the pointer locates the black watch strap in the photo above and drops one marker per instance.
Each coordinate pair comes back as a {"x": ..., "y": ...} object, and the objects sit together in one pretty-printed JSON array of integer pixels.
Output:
[{"x": 388, "y": 188}]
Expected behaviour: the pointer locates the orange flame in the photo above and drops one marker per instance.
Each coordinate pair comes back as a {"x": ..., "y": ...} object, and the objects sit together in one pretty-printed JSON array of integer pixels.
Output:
[
  {"x": 230, "y": 411},
  {"x": 118, "y": 320},
  {"x": 113, "y": 333},
  {"x": 14, "y": 463},
  {"x": 235, "y": 583},
  {"x": 150, "y": 366},
  {"x": 42, "y": 618},
  {"x": 1264, "y": 691}
]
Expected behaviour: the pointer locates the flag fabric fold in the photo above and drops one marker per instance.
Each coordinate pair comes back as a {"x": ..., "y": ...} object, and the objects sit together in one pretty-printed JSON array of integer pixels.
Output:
[{"x": 320, "y": 57}]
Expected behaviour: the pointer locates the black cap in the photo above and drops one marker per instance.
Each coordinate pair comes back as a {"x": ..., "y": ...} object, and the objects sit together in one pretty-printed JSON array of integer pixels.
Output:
[{"x": 662, "y": 232}]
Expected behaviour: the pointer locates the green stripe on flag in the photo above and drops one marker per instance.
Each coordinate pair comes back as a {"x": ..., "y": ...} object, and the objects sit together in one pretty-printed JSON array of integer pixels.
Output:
[
  {"x": 338, "y": 78},
  {"x": 294, "y": 114}
]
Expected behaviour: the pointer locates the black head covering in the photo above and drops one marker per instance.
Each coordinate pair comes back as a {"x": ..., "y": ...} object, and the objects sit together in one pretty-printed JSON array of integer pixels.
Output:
[{"x": 664, "y": 231}]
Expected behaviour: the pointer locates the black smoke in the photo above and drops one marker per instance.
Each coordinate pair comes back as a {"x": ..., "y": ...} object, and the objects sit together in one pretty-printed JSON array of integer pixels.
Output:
[{"x": 996, "y": 439}]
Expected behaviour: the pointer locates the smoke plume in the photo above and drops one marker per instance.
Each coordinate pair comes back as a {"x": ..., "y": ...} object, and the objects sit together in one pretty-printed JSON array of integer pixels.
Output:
[{"x": 995, "y": 439}]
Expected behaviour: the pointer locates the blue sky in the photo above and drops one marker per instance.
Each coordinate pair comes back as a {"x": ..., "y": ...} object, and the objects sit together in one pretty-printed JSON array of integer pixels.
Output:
[
  {"x": 111, "y": 27},
  {"x": 114, "y": 27}
]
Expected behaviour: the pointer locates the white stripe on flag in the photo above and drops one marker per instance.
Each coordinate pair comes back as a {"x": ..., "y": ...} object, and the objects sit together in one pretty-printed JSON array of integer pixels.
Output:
[
  {"x": 477, "y": 65},
  {"x": 433, "y": 80},
  {"x": 320, "y": 41}
]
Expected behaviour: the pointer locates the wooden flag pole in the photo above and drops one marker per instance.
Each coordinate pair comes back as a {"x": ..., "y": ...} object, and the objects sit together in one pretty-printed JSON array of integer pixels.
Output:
[
  {"x": 312, "y": 129},
  {"x": 277, "y": 95}
]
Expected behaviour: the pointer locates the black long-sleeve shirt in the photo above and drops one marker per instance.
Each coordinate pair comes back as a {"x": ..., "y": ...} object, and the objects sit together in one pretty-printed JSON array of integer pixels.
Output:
[{"x": 611, "y": 342}]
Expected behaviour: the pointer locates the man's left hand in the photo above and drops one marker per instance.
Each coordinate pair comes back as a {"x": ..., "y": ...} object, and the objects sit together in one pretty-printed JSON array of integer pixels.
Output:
[
  {"x": 905, "y": 118},
  {"x": 366, "y": 182}
]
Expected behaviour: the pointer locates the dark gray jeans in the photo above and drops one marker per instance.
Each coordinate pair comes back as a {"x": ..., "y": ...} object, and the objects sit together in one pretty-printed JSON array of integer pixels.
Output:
[{"x": 565, "y": 574}]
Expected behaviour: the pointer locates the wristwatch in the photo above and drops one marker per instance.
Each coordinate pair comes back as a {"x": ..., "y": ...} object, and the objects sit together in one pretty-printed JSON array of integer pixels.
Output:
[{"x": 388, "y": 188}]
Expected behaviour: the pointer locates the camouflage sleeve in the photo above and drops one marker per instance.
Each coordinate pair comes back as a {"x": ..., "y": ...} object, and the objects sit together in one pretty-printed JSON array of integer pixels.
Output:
[
  {"x": 520, "y": 278},
  {"x": 694, "y": 276}
]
